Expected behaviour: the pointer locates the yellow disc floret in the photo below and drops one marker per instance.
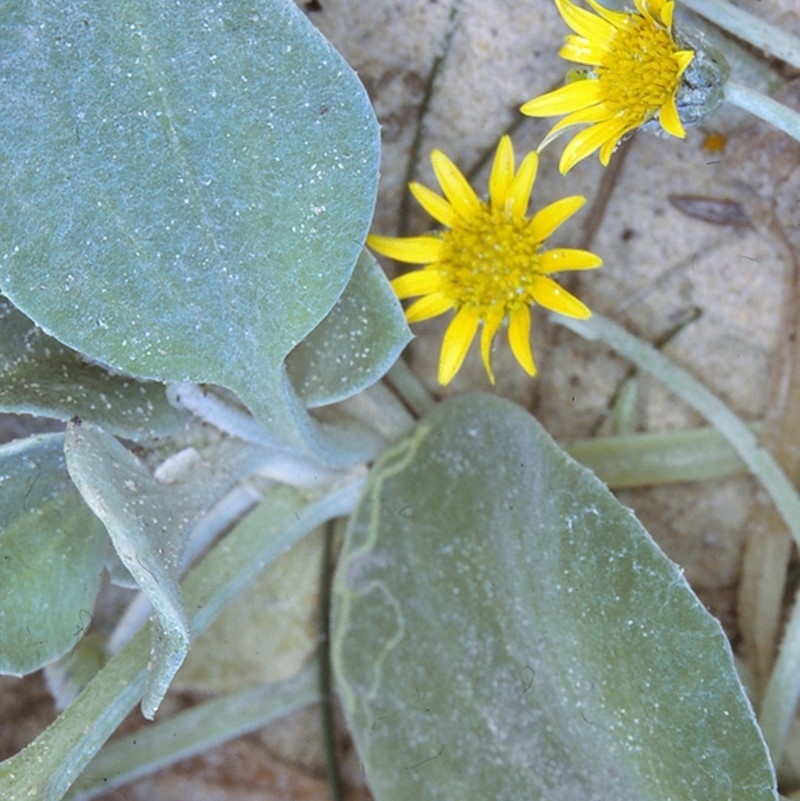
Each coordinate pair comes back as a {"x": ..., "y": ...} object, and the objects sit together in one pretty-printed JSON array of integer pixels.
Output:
[{"x": 489, "y": 262}]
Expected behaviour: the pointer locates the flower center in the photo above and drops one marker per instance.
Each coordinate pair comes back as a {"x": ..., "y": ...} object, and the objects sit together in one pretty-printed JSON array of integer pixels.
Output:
[
  {"x": 639, "y": 73},
  {"x": 489, "y": 261}
]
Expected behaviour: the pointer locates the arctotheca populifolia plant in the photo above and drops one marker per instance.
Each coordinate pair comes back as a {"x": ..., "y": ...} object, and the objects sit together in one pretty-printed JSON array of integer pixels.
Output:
[{"x": 187, "y": 192}]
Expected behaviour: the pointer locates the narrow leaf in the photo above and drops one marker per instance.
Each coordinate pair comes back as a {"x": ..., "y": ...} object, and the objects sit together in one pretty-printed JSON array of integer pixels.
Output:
[
  {"x": 189, "y": 733},
  {"x": 148, "y": 522}
]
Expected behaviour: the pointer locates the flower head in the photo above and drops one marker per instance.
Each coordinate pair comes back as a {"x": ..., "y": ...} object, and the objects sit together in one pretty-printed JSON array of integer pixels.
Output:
[
  {"x": 636, "y": 73},
  {"x": 489, "y": 263}
]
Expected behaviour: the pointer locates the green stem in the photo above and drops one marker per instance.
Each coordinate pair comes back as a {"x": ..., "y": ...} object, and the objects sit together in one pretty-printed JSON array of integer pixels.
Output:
[
  {"x": 765, "y": 108},
  {"x": 324, "y": 672},
  {"x": 410, "y": 389},
  {"x": 737, "y": 432},
  {"x": 188, "y": 733},
  {"x": 656, "y": 458},
  {"x": 768, "y": 38},
  {"x": 783, "y": 689}
]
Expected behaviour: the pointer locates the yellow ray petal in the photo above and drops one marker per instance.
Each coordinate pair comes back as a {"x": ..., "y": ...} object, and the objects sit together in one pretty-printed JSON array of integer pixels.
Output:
[
  {"x": 546, "y": 220},
  {"x": 490, "y": 325},
  {"x": 585, "y": 143},
  {"x": 439, "y": 208},
  {"x": 583, "y": 22},
  {"x": 616, "y": 18},
  {"x": 669, "y": 119},
  {"x": 643, "y": 7},
  {"x": 578, "y": 49},
  {"x": 607, "y": 150},
  {"x": 454, "y": 185},
  {"x": 654, "y": 11},
  {"x": 519, "y": 337},
  {"x": 565, "y": 99},
  {"x": 655, "y": 7},
  {"x": 546, "y": 292},
  {"x": 597, "y": 113},
  {"x": 684, "y": 59},
  {"x": 410, "y": 249},
  {"x": 417, "y": 282},
  {"x": 519, "y": 193},
  {"x": 430, "y": 306},
  {"x": 502, "y": 173},
  {"x": 665, "y": 13},
  {"x": 456, "y": 342},
  {"x": 559, "y": 259}
]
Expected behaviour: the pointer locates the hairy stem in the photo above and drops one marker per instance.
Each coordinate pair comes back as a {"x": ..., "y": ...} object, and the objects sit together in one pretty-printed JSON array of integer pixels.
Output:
[
  {"x": 765, "y": 108},
  {"x": 770, "y": 39}
]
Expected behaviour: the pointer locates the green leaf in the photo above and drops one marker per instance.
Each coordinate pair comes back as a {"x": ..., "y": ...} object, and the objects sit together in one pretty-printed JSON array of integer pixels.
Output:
[
  {"x": 38, "y": 375},
  {"x": 355, "y": 344},
  {"x": 186, "y": 188},
  {"x": 148, "y": 526},
  {"x": 52, "y": 550},
  {"x": 148, "y": 521},
  {"x": 504, "y": 628}
]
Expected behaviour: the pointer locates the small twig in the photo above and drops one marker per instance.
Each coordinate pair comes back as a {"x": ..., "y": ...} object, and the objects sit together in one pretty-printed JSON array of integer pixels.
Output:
[
  {"x": 416, "y": 144},
  {"x": 597, "y": 211}
]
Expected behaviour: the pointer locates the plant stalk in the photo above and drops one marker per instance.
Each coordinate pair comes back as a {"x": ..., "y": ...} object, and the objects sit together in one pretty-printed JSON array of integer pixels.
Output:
[{"x": 765, "y": 108}]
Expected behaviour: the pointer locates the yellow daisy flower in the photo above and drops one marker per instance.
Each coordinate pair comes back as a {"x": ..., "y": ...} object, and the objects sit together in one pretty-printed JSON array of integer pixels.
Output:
[
  {"x": 636, "y": 73},
  {"x": 489, "y": 264}
]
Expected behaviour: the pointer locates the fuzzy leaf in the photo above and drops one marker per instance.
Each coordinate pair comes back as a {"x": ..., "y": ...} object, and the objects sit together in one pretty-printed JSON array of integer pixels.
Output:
[
  {"x": 504, "y": 628},
  {"x": 355, "y": 344},
  {"x": 52, "y": 550},
  {"x": 186, "y": 187},
  {"x": 38, "y": 375},
  {"x": 148, "y": 522}
]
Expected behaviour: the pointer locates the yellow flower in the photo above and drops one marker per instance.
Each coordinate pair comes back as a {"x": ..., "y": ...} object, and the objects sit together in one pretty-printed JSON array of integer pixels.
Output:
[
  {"x": 489, "y": 264},
  {"x": 636, "y": 75}
]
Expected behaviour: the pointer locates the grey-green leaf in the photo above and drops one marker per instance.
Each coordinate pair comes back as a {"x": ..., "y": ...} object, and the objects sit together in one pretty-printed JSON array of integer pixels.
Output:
[
  {"x": 355, "y": 344},
  {"x": 186, "y": 187},
  {"x": 52, "y": 550},
  {"x": 505, "y": 629},
  {"x": 148, "y": 522},
  {"x": 148, "y": 525},
  {"x": 38, "y": 375}
]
